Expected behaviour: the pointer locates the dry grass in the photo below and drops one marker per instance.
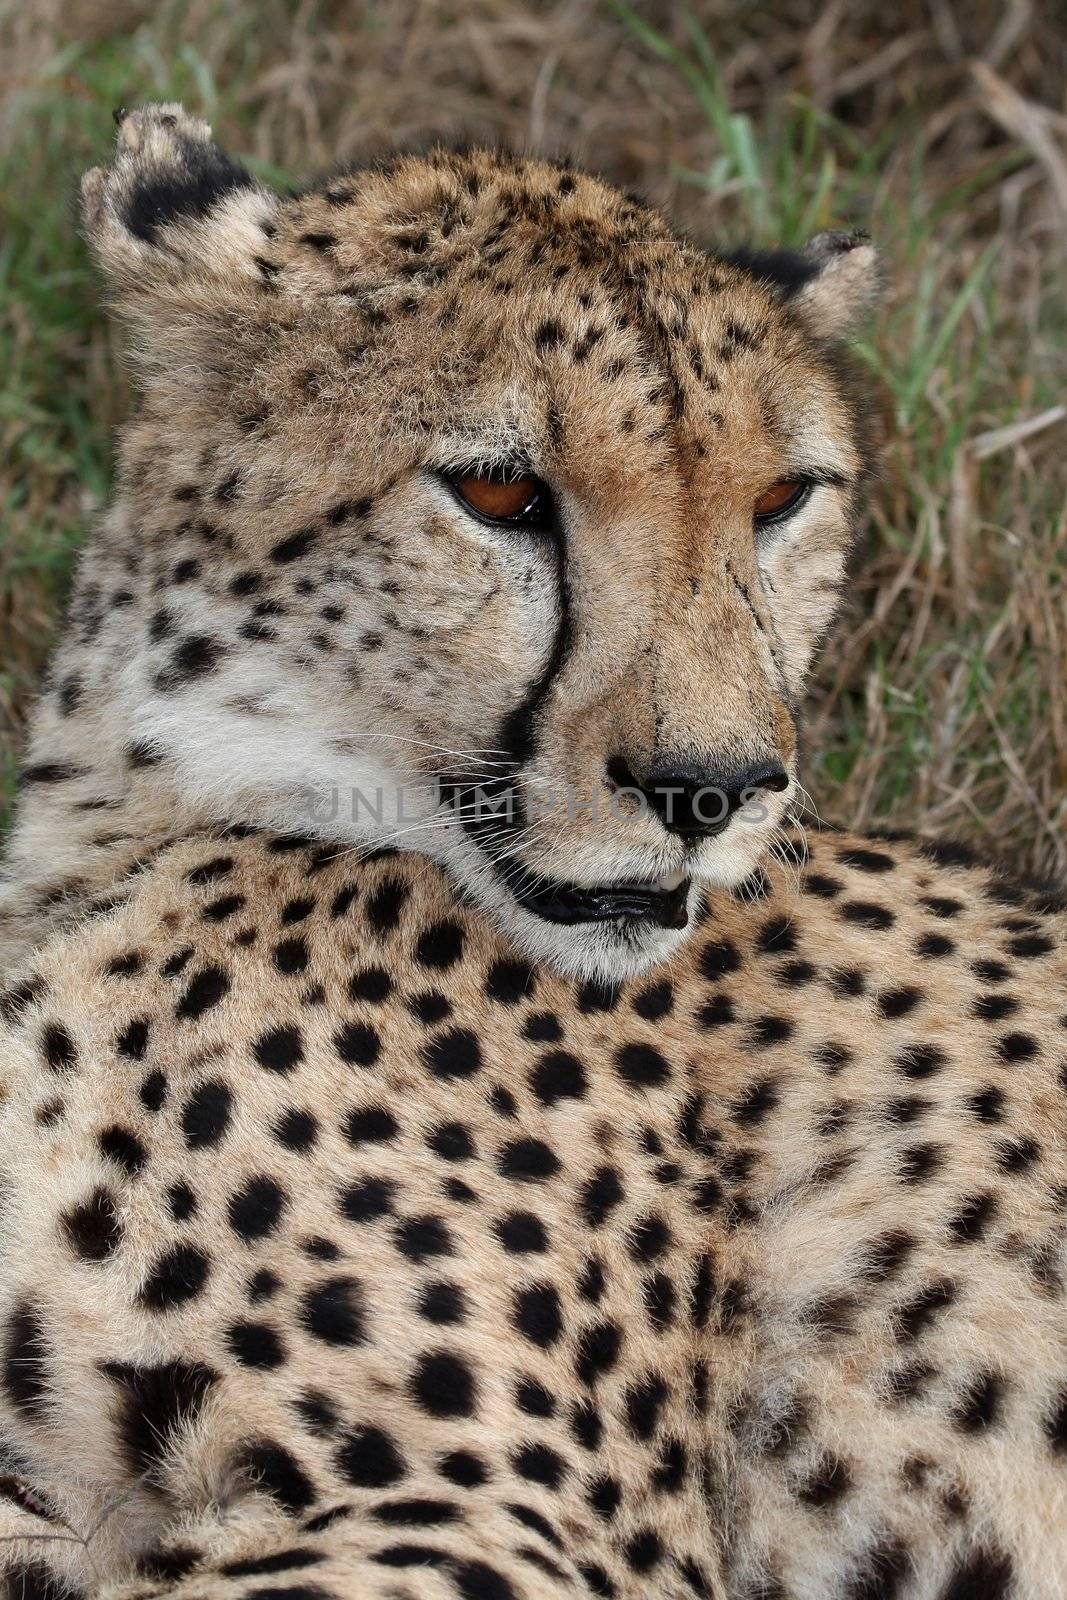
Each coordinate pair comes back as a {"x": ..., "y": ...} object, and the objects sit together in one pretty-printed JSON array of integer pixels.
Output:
[{"x": 940, "y": 124}]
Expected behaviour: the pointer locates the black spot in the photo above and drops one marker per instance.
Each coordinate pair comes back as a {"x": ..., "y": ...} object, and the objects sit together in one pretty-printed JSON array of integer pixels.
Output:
[
  {"x": 440, "y": 945},
  {"x": 600, "y": 1195},
  {"x": 452, "y": 1142},
  {"x": 1016, "y": 1155},
  {"x": 528, "y": 1160},
  {"x": 182, "y": 1202},
  {"x": 255, "y": 1344},
  {"x": 443, "y": 1385},
  {"x": 430, "y": 1007},
  {"x": 46, "y": 772},
  {"x": 373, "y": 984},
  {"x": 994, "y": 1007},
  {"x": 296, "y": 1129},
  {"x": 333, "y": 1311},
  {"x": 26, "y": 1360},
  {"x": 93, "y": 1228},
  {"x": 977, "y": 1408},
  {"x": 453, "y": 1054},
  {"x": 370, "y": 1125},
  {"x": 920, "y": 1060},
  {"x": 127, "y": 965},
  {"x": 655, "y": 1000},
  {"x": 463, "y": 1468},
  {"x": 1055, "y": 1424},
  {"x": 273, "y": 1468},
  {"x": 509, "y": 981},
  {"x": 558, "y": 1076},
  {"x": 986, "y": 1575},
  {"x": 718, "y": 959},
  {"x": 291, "y": 955},
  {"x": 971, "y": 1220},
  {"x": 880, "y": 1573},
  {"x": 598, "y": 1351},
  {"x": 194, "y": 657},
  {"x": 368, "y": 1199},
  {"x": 865, "y": 914},
  {"x": 206, "y": 1114},
  {"x": 210, "y": 871},
  {"x": 168, "y": 1564},
  {"x": 442, "y": 1302},
  {"x": 205, "y": 990},
  {"x": 58, "y": 1047},
  {"x": 644, "y": 1551},
  {"x": 899, "y": 1002},
  {"x": 178, "y": 1275},
  {"x": 294, "y": 546},
  {"x": 153, "y": 1090},
  {"x": 987, "y": 1104},
  {"x": 292, "y": 1559},
  {"x": 866, "y": 860},
  {"x": 918, "y": 1162},
  {"x": 279, "y": 1049},
  {"x": 641, "y": 1065},
  {"x": 829, "y": 1483},
  {"x": 547, "y": 335},
  {"x": 536, "y": 1314},
  {"x": 717, "y": 1012},
  {"x": 385, "y": 905},
  {"x": 644, "y": 1402},
  {"x": 256, "y": 1210},
  {"x": 358, "y": 1044},
  {"x": 916, "y": 1315},
  {"x": 122, "y": 1147},
  {"x": 1013, "y": 1047},
  {"x": 521, "y": 1233},
  {"x": 423, "y": 1238},
  {"x": 538, "y": 1463},
  {"x": 758, "y": 1099},
  {"x": 1029, "y": 945},
  {"x": 156, "y": 1402}
]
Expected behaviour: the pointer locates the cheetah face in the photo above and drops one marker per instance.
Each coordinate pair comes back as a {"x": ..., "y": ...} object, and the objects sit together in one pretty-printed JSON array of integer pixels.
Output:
[{"x": 477, "y": 513}]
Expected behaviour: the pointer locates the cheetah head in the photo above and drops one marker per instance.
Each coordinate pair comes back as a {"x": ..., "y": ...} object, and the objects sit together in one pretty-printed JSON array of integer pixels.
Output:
[{"x": 473, "y": 511}]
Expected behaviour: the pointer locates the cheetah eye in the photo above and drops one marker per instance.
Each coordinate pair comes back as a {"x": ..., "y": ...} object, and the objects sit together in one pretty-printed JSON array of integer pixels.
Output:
[
  {"x": 780, "y": 501},
  {"x": 504, "y": 495}
]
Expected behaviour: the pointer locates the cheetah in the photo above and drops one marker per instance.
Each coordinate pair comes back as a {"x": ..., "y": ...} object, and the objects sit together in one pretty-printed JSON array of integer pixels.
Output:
[{"x": 505, "y": 1200}]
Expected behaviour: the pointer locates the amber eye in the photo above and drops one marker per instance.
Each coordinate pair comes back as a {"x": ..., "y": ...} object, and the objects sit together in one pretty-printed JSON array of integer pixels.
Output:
[
  {"x": 780, "y": 499},
  {"x": 502, "y": 496}
]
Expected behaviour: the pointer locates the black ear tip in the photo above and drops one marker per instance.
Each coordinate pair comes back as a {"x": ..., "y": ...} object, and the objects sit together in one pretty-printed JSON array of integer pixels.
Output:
[{"x": 119, "y": 115}]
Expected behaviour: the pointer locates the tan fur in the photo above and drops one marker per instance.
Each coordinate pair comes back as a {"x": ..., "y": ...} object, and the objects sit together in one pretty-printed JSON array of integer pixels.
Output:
[{"x": 346, "y": 1251}]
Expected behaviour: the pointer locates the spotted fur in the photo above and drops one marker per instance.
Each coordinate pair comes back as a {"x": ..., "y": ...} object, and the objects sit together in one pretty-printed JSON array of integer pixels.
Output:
[{"x": 348, "y": 1253}]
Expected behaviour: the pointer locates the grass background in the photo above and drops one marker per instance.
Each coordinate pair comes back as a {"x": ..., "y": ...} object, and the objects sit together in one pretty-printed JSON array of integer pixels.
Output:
[{"x": 941, "y": 125}]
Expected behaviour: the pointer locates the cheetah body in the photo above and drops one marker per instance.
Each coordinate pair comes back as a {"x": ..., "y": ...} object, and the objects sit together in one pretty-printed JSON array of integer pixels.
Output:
[
  {"x": 342, "y": 1243},
  {"x": 360, "y": 1238}
]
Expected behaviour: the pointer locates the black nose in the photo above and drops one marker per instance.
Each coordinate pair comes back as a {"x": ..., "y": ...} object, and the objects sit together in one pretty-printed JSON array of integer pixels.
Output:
[{"x": 696, "y": 801}]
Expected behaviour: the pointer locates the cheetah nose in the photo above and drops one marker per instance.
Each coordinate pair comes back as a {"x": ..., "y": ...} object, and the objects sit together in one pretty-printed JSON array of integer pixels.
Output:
[{"x": 697, "y": 801}]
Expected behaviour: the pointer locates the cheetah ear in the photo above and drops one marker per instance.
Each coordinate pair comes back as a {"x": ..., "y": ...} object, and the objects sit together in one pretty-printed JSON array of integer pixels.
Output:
[
  {"x": 833, "y": 282},
  {"x": 173, "y": 220}
]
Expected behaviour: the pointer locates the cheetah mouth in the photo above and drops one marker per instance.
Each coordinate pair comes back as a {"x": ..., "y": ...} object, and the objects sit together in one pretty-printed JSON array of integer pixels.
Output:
[{"x": 661, "y": 904}]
